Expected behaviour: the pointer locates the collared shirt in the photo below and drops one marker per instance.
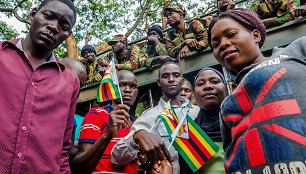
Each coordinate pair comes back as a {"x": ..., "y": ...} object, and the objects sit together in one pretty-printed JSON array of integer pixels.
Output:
[
  {"x": 93, "y": 127},
  {"x": 126, "y": 149},
  {"x": 175, "y": 39},
  {"x": 37, "y": 109}
]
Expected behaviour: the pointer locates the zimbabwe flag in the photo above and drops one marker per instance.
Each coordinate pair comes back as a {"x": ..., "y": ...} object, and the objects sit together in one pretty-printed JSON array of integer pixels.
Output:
[
  {"x": 108, "y": 89},
  {"x": 197, "y": 147}
]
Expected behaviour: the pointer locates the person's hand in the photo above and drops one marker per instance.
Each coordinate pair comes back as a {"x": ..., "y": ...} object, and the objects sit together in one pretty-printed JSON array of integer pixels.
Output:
[
  {"x": 183, "y": 52},
  {"x": 153, "y": 40},
  {"x": 191, "y": 43},
  {"x": 208, "y": 21},
  {"x": 299, "y": 11},
  {"x": 83, "y": 60},
  {"x": 230, "y": 5},
  {"x": 118, "y": 117},
  {"x": 152, "y": 146},
  {"x": 102, "y": 66},
  {"x": 162, "y": 167}
]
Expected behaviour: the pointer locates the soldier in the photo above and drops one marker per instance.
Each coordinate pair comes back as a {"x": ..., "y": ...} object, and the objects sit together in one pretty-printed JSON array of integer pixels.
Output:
[
  {"x": 274, "y": 12},
  {"x": 90, "y": 61},
  {"x": 127, "y": 57},
  {"x": 154, "y": 50},
  {"x": 185, "y": 37}
]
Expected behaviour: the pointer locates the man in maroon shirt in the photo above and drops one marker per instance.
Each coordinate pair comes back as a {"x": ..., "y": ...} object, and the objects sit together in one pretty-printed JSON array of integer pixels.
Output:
[{"x": 38, "y": 94}]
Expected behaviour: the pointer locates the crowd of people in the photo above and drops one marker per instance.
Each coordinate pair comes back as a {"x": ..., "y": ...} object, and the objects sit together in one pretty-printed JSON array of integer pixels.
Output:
[
  {"x": 183, "y": 38},
  {"x": 259, "y": 127}
]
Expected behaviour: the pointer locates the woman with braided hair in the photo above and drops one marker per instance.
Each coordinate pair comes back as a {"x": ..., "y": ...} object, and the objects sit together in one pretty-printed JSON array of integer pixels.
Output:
[{"x": 263, "y": 121}]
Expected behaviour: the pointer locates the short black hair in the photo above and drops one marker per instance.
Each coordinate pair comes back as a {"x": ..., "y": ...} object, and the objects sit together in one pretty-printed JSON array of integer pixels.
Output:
[
  {"x": 166, "y": 63},
  {"x": 67, "y": 2}
]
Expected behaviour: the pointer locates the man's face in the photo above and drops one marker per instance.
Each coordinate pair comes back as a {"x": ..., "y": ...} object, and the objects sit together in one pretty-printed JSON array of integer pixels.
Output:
[
  {"x": 51, "y": 25},
  {"x": 154, "y": 33},
  {"x": 89, "y": 56},
  {"x": 170, "y": 80},
  {"x": 128, "y": 88},
  {"x": 174, "y": 18},
  {"x": 186, "y": 90},
  {"x": 118, "y": 47}
]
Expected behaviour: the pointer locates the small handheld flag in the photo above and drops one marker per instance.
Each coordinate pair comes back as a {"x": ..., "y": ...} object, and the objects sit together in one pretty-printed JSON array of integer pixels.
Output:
[
  {"x": 108, "y": 89},
  {"x": 196, "y": 148}
]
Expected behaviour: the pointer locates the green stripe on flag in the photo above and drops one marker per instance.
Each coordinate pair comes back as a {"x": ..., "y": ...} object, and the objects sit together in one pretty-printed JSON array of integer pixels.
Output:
[{"x": 185, "y": 156}]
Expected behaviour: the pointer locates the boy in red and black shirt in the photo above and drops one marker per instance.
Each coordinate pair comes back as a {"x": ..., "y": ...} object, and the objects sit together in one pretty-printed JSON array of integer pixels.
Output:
[{"x": 103, "y": 127}]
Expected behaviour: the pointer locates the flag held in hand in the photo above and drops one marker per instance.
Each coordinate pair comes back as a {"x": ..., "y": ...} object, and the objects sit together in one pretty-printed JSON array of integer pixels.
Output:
[
  {"x": 108, "y": 89},
  {"x": 192, "y": 143}
]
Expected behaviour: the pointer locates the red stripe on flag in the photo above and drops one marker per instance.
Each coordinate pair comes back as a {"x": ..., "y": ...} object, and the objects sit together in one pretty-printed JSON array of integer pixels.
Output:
[
  {"x": 275, "y": 109},
  {"x": 109, "y": 94},
  {"x": 270, "y": 110},
  {"x": 254, "y": 148},
  {"x": 243, "y": 99},
  {"x": 287, "y": 133},
  {"x": 270, "y": 83},
  {"x": 232, "y": 118},
  {"x": 199, "y": 144},
  {"x": 103, "y": 92},
  {"x": 192, "y": 150},
  {"x": 233, "y": 154}
]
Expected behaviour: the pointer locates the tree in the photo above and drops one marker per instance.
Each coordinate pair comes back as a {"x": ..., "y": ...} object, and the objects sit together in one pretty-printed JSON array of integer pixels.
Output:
[{"x": 7, "y": 32}]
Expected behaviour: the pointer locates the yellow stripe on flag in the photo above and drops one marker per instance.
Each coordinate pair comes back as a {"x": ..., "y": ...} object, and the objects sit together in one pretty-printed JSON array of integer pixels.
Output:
[
  {"x": 201, "y": 139},
  {"x": 169, "y": 123},
  {"x": 188, "y": 153},
  {"x": 100, "y": 93},
  {"x": 183, "y": 146},
  {"x": 107, "y": 76},
  {"x": 111, "y": 87}
]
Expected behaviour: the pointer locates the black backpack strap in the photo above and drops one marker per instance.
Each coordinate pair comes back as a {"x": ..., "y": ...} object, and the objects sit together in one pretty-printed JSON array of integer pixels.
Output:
[
  {"x": 190, "y": 30},
  {"x": 128, "y": 55},
  {"x": 171, "y": 35}
]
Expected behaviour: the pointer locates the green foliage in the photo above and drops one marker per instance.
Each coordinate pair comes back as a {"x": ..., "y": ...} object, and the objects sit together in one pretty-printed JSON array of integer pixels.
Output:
[{"x": 7, "y": 32}]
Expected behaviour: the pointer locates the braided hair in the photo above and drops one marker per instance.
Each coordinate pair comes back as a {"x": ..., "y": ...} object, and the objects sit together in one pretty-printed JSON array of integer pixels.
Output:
[{"x": 246, "y": 18}]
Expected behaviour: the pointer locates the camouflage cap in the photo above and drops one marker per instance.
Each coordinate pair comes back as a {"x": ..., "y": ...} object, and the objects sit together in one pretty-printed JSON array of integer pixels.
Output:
[
  {"x": 117, "y": 38},
  {"x": 174, "y": 9}
]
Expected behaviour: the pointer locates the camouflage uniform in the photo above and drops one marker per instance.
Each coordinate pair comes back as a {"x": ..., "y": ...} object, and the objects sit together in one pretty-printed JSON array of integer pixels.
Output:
[
  {"x": 93, "y": 72},
  {"x": 148, "y": 53},
  {"x": 130, "y": 60},
  {"x": 278, "y": 10},
  {"x": 194, "y": 30}
]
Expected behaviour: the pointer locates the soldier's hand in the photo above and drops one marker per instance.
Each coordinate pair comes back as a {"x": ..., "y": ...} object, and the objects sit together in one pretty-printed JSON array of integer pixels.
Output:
[
  {"x": 191, "y": 43},
  {"x": 118, "y": 117},
  {"x": 299, "y": 11},
  {"x": 152, "y": 146},
  {"x": 230, "y": 5},
  {"x": 153, "y": 40},
  {"x": 83, "y": 60},
  {"x": 183, "y": 52},
  {"x": 208, "y": 21}
]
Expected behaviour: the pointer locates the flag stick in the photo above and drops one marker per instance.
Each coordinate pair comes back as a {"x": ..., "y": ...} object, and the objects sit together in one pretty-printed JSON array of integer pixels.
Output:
[
  {"x": 176, "y": 130},
  {"x": 114, "y": 69}
]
